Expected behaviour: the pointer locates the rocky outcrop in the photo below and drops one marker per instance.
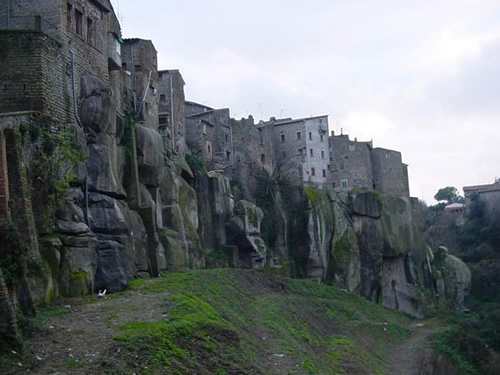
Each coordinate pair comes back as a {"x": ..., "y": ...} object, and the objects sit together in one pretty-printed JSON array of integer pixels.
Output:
[
  {"x": 243, "y": 231},
  {"x": 387, "y": 247},
  {"x": 452, "y": 278}
]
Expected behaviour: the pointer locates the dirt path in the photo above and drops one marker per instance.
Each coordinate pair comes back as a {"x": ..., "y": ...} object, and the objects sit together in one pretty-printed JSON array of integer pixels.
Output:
[
  {"x": 414, "y": 355},
  {"x": 82, "y": 340}
]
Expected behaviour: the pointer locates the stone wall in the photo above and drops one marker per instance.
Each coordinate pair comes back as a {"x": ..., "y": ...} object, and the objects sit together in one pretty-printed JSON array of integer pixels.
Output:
[
  {"x": 350, "y": 163},
  {"x": 390, "y": 175},
  {"x": 171, "y": 109}
]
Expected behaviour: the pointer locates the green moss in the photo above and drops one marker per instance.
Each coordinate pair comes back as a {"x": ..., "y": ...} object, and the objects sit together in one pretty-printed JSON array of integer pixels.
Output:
[{"x": 313, "y": 195}]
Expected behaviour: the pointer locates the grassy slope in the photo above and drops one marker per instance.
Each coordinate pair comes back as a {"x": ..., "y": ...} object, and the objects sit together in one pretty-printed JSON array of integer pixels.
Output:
[{"x": 232, "y": 321}]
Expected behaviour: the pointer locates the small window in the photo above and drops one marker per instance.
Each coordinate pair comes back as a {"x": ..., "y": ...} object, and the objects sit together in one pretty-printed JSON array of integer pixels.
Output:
[
  {"x": 311, "y": 152},
  {"x": 262, "y": 158},
  {"x": 228, "y": 155},
  {"x": 299, "y": 151},
  {"x": 124, "y": 66},
  {"x": 352, "y": 147},
  {"x": 310, "y": 136},
  {"x": 322, "y": 154},
  {"x": 227, "y": 137},
  {"x": 78, "y": 22},
  {"x": 334, "y": 185},
  {"x": 261, "y": 137},
  {"x": 313, "y": 172},
  {"x": 343, "y": 183},
  {"x": 324, "y": 172},
  {"x": 282, "y": 137},
  {"x": 209, "y": 149},
  {"x": 163, "y": 120},
  {"x": 342, "y": 166},
  {"x": 321, "y": 138},
  {"x": 163, "y": 98},
  {"x": 299, "y": 135},
  {"x": 204, "y": 128},
  {"x": 90, "y": 31},
  {"x": 68, "y": 16}
]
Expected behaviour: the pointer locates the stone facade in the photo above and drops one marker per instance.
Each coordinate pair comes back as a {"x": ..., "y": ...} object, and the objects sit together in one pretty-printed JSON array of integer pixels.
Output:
[
  {"x": 390, "y": 174},
  {"x": 171, "y": 109},
  {"x": 209, "y": 135},
  {"x": 357, "y": 165},
  {"x": 489, "y": 194},
  {"x": 139, "y": 57},
  {"x": 301, "y": 149},
  {"x": 350, "y": 163}
]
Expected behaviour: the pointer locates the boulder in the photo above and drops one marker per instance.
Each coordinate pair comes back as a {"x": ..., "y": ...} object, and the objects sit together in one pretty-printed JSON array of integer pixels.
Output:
[{"x": 453, "y": 279}]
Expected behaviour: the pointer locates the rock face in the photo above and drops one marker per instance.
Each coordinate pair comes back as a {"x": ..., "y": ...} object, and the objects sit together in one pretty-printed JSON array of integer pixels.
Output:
[
  {"x": 453, "y": 279},
  {"x": 243, "y": 231},
  {"x": 139, "y": 209}
]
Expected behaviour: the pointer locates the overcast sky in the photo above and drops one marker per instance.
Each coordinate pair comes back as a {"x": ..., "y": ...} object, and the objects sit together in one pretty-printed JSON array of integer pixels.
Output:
[{"x": 421, "y": 77}]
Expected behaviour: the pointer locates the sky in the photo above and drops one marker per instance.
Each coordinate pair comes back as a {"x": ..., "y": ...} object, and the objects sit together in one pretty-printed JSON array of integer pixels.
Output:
[{"x": 421, "y": 77}]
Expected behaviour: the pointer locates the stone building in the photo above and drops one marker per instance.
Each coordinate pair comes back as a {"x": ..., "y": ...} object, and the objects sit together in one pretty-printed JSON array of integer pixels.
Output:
[
  {"x": 301, "y": 149},
  {"x": 171, "y": 109},
  {"x": 254, "y": 154},
  {"x": 139, "y": 57},
  {"x": 489, "y": 194},
  {"x": 357, "y": 165},
  {"x": 209, "y": 135},
  {"x": 350, "y": 163},
  {"x": 390, "y": 174}
]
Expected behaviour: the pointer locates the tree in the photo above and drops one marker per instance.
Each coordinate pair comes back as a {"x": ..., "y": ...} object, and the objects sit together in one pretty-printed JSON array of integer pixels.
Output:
[{"x": 448, "y": 194}]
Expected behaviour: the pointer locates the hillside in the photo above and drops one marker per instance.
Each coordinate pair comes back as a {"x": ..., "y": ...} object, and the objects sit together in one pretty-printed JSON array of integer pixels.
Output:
[{"x": 223, "y": 321}]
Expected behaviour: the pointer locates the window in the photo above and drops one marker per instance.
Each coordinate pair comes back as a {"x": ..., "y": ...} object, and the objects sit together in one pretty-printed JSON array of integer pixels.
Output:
[
  {"x": 311, "y": 152},
  {"x": 324, "y": 172},
  {"x": 321, "y": 138},
  {"x": 227, "y": 138},
  {"x": 282, "y": 137},
  {"x": 310, "y": 136},
  {"x": 209, "y": 149},
  {"x": 78, "y": 22},
  {"x": 90, "y": 31},
  {"x": 163, "y": 98},
  {"x": 299, "y": 135},
  {"x": 261, "y": 138},
  {"x": 313, "y": 172},
  {"x": 352, "y": 147},
  {"x": 68, "y": 16},
  {"x": 322, "y": 154},
  {"x": 262, "y": 158},
  {"x": 299, "y": 151},
  {"x": 124, "y": 66},
  {"x": 334, "y": 185},
  {"x": 343, "y": 183},
  {"x": 342, "y": 165},
  {"x": 228, "y": 155},
  {"x": 163, "y": 120},
  {"x": 283, "y": 154}
]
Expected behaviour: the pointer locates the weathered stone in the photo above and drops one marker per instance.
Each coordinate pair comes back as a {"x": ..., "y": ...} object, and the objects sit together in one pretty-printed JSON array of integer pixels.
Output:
[
  {"x": 108, "y": 215},
  {"x": 96, "y": 102},
  {"x": 397, "y": 292},
  {"x": 150, "y": 156},
  {"x": 102, "y": 173},
  {"x": 71, "y": 227},
  {"x": 112, "y": 271},
  {"x": 366, "y": 204},
  {"x": 453, "y": 279},
  {"x": 251, "y": 216}
]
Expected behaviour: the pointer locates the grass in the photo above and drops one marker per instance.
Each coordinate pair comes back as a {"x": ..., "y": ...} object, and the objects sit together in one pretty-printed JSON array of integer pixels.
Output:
[{"x": 227, "y": 321}]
